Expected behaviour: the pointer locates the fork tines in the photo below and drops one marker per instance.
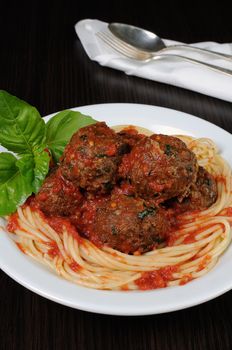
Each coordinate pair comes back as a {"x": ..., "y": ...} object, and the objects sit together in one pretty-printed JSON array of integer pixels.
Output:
[{"x": 122, "y": 47}]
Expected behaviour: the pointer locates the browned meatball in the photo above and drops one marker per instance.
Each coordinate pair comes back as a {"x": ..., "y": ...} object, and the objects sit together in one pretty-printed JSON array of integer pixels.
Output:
[
  {"x": 160, "y": 167},
  {"x": 202, "y": 194},
  {"x": 91, "y": 158},
  {"x": 58, "y": 196},
  {"x": 124, "y": 223},
  {"x": 130, "y": 136}
]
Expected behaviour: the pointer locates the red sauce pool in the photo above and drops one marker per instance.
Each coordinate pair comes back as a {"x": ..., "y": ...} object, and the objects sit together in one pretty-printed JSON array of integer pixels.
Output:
[{"x": 157, "y": 278}]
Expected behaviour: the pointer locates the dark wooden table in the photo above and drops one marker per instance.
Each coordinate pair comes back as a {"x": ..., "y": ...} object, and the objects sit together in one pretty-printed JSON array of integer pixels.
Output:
[{"x": 42, "y": 61}]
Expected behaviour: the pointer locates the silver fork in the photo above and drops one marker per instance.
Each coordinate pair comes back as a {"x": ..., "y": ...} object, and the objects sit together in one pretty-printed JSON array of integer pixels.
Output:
[{"x": 137, "y": 54}]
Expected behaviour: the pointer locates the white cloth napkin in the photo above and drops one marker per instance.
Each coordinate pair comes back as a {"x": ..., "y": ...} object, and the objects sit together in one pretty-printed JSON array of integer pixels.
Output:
[{"x": 183, "y": 74}]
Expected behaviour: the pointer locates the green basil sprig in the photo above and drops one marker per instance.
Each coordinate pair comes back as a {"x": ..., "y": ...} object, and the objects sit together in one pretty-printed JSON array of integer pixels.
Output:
[{"x": 24, "y": 132}]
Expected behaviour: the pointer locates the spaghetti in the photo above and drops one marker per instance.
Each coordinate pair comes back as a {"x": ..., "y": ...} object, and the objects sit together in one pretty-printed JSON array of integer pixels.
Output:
[{"x": 192, "y": 250}]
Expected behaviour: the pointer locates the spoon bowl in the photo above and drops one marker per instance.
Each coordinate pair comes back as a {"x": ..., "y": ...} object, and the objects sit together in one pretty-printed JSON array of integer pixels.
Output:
[{"x": 140, "y": 38}]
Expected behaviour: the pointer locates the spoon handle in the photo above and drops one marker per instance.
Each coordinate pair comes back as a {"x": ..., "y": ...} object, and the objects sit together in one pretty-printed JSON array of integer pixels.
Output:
[
  {"x": 198, "y": 49},
  {"x": 200, "y": 63}
]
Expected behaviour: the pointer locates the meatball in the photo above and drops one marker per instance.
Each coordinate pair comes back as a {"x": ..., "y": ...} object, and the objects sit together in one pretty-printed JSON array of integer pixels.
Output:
[
  {"x": 202, "y": 194},
  {"x": 130, "y": 136},
  {"x": 160, "y": 167},
  {"x": 124, "y": 223},
  {"x": 58, "y": 196},
  {"x": 91, "y": 158}
]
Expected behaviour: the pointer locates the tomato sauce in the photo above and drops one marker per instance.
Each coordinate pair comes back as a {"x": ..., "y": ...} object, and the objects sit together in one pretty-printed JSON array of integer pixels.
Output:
[
  {"x": 131, "y": 130},
  {"x": 221, "y": 179},
  {"x": 171, "y": 239},
  {"x": 125, "y": 288},
  {"x": 111, "y": 150},
  {"x": 21, "y": 248},
  {"x": 205, "y": 261},
  {"x": 13, "y": 223},
  {"x": 124, "y": 188},
  {"x": 54, "y": 250},
  {"x": 58, "y": 224},
  {"x": 75, "y": 267},
  {"x": 191, "y": 237},
  {"x": 185, "y": 279},
  {"x": 157, "y": 278},
  {"x": 181, "y": 214},
  {"x": 226, "y": 212}
]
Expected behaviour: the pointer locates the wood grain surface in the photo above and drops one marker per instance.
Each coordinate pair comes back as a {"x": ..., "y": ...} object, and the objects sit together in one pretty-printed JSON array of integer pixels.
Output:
[{"x": 42, "y": 61}]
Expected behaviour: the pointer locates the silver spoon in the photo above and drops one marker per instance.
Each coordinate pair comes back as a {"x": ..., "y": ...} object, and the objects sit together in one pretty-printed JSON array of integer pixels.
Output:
[
  {"x": 132, "y": 52},
  {"x": 147, "y": 41}
]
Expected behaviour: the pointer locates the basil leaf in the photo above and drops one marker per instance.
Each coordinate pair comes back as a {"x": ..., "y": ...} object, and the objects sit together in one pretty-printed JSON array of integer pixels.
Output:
[
  {"x": 15, "y": 183},
  {"x": 61, "y": 127},
  {"x": 25, "y": 165},
  {"x": 19, "y": 178},
  {"x": 41, "y": 168},
  {"x": 21, "y": 127},
  {"x": 37, "y": 166}
]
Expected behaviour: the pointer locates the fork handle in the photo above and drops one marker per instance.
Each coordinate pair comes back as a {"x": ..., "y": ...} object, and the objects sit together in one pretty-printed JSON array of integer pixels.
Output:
[
  {"x": 200, "y": 63},
  {"x": 198, "y": 49}
]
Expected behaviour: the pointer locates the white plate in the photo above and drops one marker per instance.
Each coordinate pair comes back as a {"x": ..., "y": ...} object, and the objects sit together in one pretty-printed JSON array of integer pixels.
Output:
[{"x": 44, "y": 282}]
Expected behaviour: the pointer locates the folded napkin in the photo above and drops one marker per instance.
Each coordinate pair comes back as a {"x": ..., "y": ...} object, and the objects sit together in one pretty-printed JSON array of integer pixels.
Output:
[{"x": 183, "y": 74}]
